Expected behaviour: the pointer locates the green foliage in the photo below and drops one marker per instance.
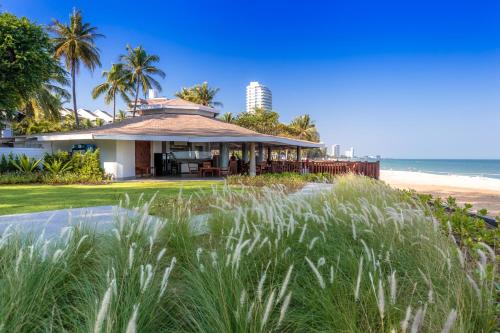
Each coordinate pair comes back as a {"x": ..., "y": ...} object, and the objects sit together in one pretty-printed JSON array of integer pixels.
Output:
[
  {"x": 358, "y": 258},
  {"x": 87, "y": 165},
  {"x": 261, "y": 121},
  {"x": 75, "y": 43},
  {"x": 7, "y": 163},
  {"x": 469, "y": 231},
  {"x": 32, "y": 126},
  {"x": 10, "y": 178},
  {"x": 200, "y": 94},
  {"x": 141, "y": 67},
  {"x": 26, "y": 164},
  {"x": 57, "y": 167},
  {"x": 303, "y": 128},
  {"x": 290, "y": 180},
  {"x": 116, "y": 82},
  {"x": 26, "y": 60}
]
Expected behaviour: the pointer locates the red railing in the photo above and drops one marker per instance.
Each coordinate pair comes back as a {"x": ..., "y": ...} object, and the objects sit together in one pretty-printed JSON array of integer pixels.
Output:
[{"x": 369, "y": 169}]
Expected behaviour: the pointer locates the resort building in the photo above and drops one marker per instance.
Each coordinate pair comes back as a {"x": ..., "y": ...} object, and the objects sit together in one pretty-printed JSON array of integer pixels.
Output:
[
  {"x": 172, "y": 137},
  {"x": 258, "y": 96}
]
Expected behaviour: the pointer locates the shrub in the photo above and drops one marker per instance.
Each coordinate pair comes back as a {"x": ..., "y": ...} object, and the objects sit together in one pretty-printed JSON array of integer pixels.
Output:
[
  {"x": 88, "y": 164},
  {"x": 71, "y": 178},
  {"x": 26, "y": 164},
  {"x": 57, "y": 167},
  {"x": 7, "y": 163},
  {"x": 290, "y": 180},
  {"x": 19, "y": 178}
]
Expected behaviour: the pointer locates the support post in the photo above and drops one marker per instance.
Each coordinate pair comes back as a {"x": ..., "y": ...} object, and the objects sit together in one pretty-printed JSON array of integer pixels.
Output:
[
  {"x": 260, "y": 156},
  {"x": 299, "y": 151},
  {"x": 269, "y": 154},
  {"x": 252, "y": 170},
  {"x": 224, "y": 155},
  {"x": 244, "y": 152}
]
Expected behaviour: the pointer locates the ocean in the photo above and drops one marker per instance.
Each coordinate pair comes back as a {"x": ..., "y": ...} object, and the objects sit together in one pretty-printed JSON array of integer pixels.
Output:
[{"x": 483, "y": 168}]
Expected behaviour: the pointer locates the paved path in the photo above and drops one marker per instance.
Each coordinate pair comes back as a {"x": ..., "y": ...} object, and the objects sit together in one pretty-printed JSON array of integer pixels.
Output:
[
  {"x": 102, "y": 217},
  {"x": 53, "y": 221}
]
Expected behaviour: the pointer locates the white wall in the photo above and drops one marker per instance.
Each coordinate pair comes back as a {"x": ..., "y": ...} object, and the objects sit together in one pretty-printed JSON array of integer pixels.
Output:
[
  {"x": 30, "y": 152},
  {"x": 125, "y": 159}
]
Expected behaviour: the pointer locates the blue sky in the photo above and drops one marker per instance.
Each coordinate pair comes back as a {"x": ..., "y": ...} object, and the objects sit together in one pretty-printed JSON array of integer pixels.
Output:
[{"x": 395, "y": 78}]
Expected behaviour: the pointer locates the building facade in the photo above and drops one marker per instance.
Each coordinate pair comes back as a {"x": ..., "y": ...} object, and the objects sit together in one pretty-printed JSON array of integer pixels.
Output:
[
  {"x": 258, "y": 96},
  {"x": 336, "y": 151}
]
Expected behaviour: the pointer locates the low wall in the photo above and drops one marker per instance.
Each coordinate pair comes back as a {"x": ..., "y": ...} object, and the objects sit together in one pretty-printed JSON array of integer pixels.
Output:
[{"x": 30, "y": 152}]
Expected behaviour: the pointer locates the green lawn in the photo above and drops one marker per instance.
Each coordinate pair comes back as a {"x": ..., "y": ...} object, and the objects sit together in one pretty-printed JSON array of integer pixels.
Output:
[{"x": 34, "y": 198}]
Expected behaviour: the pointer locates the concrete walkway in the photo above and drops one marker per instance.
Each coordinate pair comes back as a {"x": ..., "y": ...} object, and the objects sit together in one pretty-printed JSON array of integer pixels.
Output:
[
  {"x": 103, "y": 217},
  {"x": 53, "y": 221}
]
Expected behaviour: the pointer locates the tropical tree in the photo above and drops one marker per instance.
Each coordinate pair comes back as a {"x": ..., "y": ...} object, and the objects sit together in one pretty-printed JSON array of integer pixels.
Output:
[
  {"x": 121, "y": 115},
  {"x": 116, "y": 82},
  {"x": 100, "y": 122},
  {"x": 75, "y": 42},
  {"x": 141, "y": 67},
  {"x": 302, "y": 127},
  {"x": 262, "y": 121},
  {"x": 228, "y": 117},
  {"x": 200, "y": 94},
  {"x": 26, "y": 60},
  {"x": 47, "y": 101}
]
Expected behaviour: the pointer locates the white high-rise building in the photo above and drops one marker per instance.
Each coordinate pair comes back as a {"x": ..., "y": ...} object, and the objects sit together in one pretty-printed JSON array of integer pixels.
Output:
[
  {"x": 336, "y": 150},
  {"x": 349, "y": 153},
  {"x": 258, "y": 96}
]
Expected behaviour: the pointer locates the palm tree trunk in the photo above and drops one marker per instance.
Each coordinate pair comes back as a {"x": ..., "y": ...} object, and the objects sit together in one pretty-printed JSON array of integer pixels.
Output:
[
  {"x": 136, "y": 97},
  {"x": 114, "y": 106},
  {"x": 73, "y": 82}
]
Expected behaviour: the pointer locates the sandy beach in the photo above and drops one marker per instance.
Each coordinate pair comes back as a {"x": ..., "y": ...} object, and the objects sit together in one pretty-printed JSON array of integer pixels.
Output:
[{"x": 481, "y": 192}]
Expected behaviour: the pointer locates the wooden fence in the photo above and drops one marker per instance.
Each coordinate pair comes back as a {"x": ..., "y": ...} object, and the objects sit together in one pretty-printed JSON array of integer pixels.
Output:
[{"x": 369, "y": 169}]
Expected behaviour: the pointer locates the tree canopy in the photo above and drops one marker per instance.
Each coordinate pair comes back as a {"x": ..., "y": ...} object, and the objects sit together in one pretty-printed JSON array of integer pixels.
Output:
[
  {"x": 26, "y": 60},
  {"x": 200, "y": 94}
]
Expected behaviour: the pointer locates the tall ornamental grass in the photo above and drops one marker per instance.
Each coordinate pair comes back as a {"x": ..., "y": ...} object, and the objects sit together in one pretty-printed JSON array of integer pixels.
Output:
[{"x": 359, "y": 258}]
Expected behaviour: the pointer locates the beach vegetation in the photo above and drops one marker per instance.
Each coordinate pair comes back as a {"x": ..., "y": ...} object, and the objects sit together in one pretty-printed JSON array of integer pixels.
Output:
[{"x": 360, "y": 257}]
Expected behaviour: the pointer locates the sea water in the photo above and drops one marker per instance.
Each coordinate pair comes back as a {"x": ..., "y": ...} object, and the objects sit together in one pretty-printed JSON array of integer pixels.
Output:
[{"x": 483, "y": 168}]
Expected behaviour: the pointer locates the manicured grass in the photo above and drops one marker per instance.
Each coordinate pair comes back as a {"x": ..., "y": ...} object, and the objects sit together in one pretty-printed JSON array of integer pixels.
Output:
[{"x": 35, "y": 198}]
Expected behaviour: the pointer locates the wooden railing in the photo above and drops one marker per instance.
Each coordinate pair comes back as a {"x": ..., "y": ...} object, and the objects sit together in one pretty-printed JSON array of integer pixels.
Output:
[{"x": 369, "y": 169}]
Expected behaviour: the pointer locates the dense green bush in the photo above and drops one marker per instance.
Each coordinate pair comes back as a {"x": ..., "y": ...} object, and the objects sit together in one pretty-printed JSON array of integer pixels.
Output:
[
  {"x": 19, "y": 178},
  {"x": 58, "y": 168}
]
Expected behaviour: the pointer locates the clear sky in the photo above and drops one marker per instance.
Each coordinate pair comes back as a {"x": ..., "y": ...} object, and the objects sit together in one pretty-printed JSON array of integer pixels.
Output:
[{"x": 395, "y": 78}]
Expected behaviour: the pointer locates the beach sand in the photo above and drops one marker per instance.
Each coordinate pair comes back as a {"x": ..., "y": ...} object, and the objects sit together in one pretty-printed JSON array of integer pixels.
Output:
[{"x": 481, "y": 192}]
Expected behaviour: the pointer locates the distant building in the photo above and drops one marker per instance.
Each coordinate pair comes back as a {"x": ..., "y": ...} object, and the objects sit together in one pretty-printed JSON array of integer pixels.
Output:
[
  {"x": 87, "y": 114},
  {"x": 336, "y": 151},
  {"x": 349, "y": 153},
  {"x": 258, "y": 96}
]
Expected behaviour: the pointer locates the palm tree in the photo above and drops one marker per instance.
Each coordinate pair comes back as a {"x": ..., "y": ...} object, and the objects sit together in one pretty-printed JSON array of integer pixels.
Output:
[
  {"x": 200, "y": 94},
  {"x": 141, "y": 66},
  {"x": 47, "y": 101},
  {"x": 117, "y": 81},
  {"x": 121, "y": 115},
  {"x": 75, "y": 42},
  {"x": 99, "y": 122},
  {"x": 228, "y": 117},
  {"x": 304, "y": 128}
]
